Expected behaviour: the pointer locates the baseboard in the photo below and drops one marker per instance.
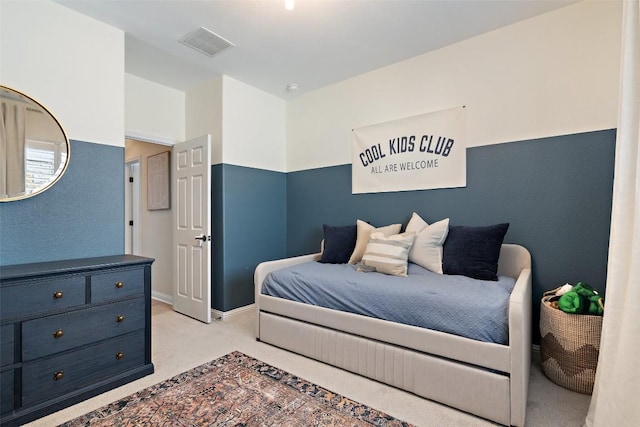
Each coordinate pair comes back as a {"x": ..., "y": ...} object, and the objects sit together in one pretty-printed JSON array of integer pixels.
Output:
[
  {"x": 167, "y": 299},
  {"x": 228, "y": 315},
  {"x": 215, "y": 314}
]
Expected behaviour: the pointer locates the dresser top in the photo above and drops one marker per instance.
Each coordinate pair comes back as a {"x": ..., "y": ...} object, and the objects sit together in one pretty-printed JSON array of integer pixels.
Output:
[{"x": 36, "y": 269}]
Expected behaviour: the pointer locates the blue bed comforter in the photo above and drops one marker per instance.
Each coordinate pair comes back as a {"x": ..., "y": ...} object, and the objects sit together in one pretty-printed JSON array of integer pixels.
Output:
[{"x": 458, "y": 305}]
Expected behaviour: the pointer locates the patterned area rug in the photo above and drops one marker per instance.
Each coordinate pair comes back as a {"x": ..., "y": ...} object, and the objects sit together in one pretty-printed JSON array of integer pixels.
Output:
[{"x": 235, "y": 390}]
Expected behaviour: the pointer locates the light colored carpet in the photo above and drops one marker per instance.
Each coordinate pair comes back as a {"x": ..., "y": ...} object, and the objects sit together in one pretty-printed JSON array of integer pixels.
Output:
[{"x": 180, "y": 343}]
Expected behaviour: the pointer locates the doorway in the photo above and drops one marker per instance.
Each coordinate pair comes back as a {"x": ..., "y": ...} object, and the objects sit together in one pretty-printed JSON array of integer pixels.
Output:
[{"x": 150, "y": 235}]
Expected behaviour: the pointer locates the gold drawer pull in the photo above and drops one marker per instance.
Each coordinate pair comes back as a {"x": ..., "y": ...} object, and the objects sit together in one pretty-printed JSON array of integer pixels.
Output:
[
  {"x": 58, "y": 333},
  {"x": 58, "y": 375},
  {"x": 119, "y": 355},
  {"x": 120, "y": 318},
  {"x": 119, "y": 285},
  {"x": 57, "y": 295}
]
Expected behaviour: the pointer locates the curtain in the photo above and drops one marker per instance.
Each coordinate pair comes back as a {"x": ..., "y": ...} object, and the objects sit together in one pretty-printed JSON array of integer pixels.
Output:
[
  {"x": 616, "y": 393},
  {"x": 12, "y": 149}
]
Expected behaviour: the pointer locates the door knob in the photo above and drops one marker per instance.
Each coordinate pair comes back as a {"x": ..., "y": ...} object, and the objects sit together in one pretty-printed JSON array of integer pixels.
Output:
[{"x": 203, "y": 238}]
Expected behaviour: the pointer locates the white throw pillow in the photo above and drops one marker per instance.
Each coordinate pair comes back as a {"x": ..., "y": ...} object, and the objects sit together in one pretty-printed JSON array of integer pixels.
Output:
[
  {"x": 427, "y": 247},
  {"x": 387, "y": 254},
  {"x": 363, "y": 232},
  {"x": 415, "y": 224}
]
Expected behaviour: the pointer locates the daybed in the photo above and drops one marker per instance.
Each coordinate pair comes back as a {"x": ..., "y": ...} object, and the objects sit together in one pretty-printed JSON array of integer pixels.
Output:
[{"x": 486, "y": 379}]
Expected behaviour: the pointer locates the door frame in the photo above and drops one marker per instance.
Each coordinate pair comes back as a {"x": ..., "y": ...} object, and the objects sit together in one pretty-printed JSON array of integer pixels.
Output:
[{"x": 132, "y": 206}]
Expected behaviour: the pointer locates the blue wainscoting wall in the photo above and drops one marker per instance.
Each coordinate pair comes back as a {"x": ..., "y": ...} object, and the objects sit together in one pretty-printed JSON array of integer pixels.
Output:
[
  {"x": 81, "y": 216},
  {"x": 555, "y": 192},
  {"x": 248, "y": 225}
]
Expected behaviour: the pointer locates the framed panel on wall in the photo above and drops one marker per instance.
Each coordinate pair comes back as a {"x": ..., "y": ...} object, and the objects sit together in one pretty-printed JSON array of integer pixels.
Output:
[{"x": 158, "y": 196}]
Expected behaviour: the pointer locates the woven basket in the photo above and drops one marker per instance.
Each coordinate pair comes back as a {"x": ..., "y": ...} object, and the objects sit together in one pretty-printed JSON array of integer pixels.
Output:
[{"x": 569, "y": 346}]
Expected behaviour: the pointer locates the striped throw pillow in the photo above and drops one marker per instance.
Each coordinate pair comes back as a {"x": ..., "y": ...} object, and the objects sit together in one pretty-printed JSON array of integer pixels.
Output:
[{"x": 387, "y": 254}]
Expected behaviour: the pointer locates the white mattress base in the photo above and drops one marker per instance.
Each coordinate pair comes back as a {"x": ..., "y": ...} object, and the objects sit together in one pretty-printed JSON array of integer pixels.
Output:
[
  {"x": 488, "y": 355},
  {"x": 470, "y": 389}
]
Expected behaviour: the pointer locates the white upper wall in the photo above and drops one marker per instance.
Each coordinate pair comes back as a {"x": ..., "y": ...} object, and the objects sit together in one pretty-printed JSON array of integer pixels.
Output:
[
  {"x": 153, "y": 111},
  {"x": 203, "y": 115},
  {"x": 70, "y": 63},
  {"x": 253, "y": 127},
  {"x": 247, "y": 125},
  {"x": 550, "y": 75}
]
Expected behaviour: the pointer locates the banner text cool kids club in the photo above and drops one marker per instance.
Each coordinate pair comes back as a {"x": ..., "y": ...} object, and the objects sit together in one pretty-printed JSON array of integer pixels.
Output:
[{"x": 415, "y": 153}]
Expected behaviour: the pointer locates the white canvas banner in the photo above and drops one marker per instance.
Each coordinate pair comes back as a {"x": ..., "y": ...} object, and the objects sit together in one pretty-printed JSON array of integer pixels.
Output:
[{"x": 415, "y": 153}]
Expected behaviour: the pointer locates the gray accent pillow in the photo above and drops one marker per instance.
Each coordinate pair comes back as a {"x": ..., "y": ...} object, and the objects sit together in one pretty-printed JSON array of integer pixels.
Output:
[
  {"x": 388, "y": 255},
  {"x": 364, "y": 230}
]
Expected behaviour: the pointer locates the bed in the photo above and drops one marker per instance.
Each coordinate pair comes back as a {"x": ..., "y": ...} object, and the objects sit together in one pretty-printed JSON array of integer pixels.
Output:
[{"x": 487, "y": 379}]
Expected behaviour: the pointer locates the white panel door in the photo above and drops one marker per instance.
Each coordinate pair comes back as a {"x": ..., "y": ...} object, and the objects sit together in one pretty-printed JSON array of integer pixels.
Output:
[{"x": 191, "y": 171}]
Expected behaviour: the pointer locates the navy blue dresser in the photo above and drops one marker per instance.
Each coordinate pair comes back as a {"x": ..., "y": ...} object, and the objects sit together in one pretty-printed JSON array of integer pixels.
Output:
[{"x": 70, "y": 330}]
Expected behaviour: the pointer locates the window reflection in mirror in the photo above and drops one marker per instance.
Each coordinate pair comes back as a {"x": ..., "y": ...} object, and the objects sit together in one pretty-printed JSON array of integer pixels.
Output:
[{"x": 34, "y": 150}]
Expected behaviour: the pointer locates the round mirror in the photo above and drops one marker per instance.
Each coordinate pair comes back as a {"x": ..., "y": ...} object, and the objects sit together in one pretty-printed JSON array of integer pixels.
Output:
[{"x": 34, "y": 150}]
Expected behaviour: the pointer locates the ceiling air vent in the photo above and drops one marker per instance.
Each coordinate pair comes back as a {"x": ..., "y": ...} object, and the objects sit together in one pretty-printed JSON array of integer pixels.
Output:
[{"x": 205, "y": 41}]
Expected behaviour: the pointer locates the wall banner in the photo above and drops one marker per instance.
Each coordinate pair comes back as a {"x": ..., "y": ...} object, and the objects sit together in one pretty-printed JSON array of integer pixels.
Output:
[{"x": 415, "y": 153}]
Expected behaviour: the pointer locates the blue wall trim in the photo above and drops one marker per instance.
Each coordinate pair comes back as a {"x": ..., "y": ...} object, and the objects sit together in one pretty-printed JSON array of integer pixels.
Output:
[
  {"x": 81, "y": 216},
  {"x": 555, "y": 192},
  {"x": 249, "y": 226}
]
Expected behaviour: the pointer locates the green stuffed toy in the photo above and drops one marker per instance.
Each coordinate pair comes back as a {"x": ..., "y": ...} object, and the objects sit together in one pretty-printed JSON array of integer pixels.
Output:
[{"x": 581, "y": 299}]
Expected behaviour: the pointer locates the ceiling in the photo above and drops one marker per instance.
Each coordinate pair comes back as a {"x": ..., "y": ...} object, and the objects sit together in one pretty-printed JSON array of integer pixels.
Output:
[{"x": 318, "y": 43}]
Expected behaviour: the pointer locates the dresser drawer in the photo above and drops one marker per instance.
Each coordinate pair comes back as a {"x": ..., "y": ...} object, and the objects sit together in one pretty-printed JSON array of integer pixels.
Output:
[
  {"x": 117, "y": 284},
  {"x": 32, "y": 297},
  {"x": 80, "y": 368},
  {"x": 6, "y": 380},
  {"x": 7, "y": 343},
  {"x": 52, "y": 334}
]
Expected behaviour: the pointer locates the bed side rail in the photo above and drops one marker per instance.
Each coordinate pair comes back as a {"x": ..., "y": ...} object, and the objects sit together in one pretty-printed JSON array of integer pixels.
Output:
[
  {"x": 513, "y": 258},
  {"x": 264, "y": 268},
  {"x": 520, "y": 345}
]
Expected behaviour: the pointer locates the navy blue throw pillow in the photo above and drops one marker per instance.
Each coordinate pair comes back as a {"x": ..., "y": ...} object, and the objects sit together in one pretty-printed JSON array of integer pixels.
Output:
[
  {"x": 339, "y": 243},
  {"x": 473, "y": 251}
]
